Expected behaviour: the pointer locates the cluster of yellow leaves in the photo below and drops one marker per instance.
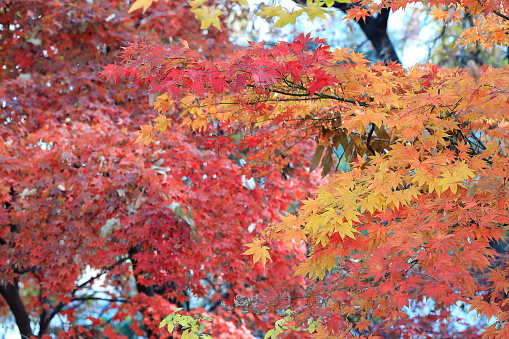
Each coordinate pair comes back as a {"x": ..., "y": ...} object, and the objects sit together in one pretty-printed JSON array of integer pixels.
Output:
[
  {"x": 313, "y": 9},
  {"x": 419, "y": 160},
  {"x": 148, "y": 133},
  {"x": 488, "y": 31}
]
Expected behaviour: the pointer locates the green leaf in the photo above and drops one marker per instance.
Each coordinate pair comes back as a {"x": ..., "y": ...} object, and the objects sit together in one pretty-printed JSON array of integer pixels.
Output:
[
  {"x": 312, "y": 327},
  {"x": 171, "y": 327},
  {"x": 183, "y": 322},
  {"x": 268, "y": 334}
]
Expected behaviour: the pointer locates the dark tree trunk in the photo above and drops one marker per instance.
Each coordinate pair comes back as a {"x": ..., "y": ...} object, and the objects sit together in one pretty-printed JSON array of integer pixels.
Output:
[
  {"x": 10, "y": 292},
  {"x": 147, "y": 290},
  {"x": 375, "y": 29}
]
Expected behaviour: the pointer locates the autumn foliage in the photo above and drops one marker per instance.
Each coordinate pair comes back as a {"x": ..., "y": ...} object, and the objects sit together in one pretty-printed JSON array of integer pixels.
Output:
[
  {"x": 424, "y": 205},
  {"x": 420, "y": 214},
  {"x": 151, "y": 224}
]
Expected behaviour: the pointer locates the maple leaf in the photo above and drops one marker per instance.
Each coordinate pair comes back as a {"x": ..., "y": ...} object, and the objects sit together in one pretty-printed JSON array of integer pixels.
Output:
[
  {"x": 163, "y": 103},
  {"x": 265, "y": 75},
  {"x": 145, "y": 134},
  {"x": 286, "y": 18},
  {"x": 110, "y": 72},
  {"x": 196, "y": 3},
  {"x": 161, "y": 124},
  {"x": 270, "y": 11},
  {"x": 145, "y": 4},
  {"x": 208, "y": 16},
  {"x": 357, "y": 13},
  {"x": 258, "y": 251},
  {"x": 315, "y": 9}
]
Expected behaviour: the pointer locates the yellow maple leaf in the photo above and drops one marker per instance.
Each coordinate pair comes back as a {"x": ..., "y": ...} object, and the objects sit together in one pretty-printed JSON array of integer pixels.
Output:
[
  {"x": 422, "y": 177},
  {"x": 315, "y": 9},
  {"x": 196, "y": 3},
  {"x": 145, "y": 4},
  {"x": 164, "y": 103},
  {"x": 208, "y": 16},
  {"x": 302, "y": 268},
  {"x": 296, "y": 234},
  {"x": 316, "y": 266},
  {"x": 162, "y": 123},
  {"x": 286, "y": 18},
  {"x": 350, "y": 216},
  {"x": 454, "y": 177},
  {"x": 258, "y": 251},
  {"x": 270, "y": 11},
  {"x": 145, "y": 134},
  {"x": 371, "y": 204},
  {"x": 243, "y": 2}
]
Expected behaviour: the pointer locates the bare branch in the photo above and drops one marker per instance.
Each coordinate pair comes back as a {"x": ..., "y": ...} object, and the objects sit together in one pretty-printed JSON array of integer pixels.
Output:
[{"x": 505, "y": 17}]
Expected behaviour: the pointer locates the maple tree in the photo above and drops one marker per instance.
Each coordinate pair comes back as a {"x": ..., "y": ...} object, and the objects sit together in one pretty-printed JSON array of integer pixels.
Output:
[
  {"x": 422, "y": 211},
  {"x": 152, "y": 225},
  {"x": 420, "y": 214}
]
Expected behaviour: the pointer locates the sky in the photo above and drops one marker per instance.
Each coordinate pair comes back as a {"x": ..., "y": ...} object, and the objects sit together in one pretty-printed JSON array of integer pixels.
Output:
[{"x": 341, "y": 33}]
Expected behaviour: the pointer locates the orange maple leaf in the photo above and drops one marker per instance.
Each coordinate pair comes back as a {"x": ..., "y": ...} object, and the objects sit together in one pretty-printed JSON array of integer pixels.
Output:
[{"x": 258, "y": 251}]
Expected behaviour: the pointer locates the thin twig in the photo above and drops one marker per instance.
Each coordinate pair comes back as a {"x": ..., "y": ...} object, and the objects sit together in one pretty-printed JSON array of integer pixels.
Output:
[
  {"x": 113, "y": 300},
  {"x": 106, "y": 270}
]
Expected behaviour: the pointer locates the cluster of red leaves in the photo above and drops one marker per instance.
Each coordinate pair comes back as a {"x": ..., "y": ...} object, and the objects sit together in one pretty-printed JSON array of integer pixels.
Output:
[{"x": 76, "y": 192}]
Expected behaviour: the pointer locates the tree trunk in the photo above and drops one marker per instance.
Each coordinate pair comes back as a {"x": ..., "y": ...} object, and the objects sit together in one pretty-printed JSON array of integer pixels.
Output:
[
  {"x": 375, "y": 29},
  {"x": 10, "y": 292},
  {"x": 147, "y": 290}
]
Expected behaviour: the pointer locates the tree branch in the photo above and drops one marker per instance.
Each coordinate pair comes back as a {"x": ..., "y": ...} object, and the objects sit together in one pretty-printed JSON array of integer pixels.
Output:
[
  {"x": 46, "y": 316},
  {"x": 106, "y": 270},
  {"x": 113, "y": 300},
  {"x": 505, "y": 17}
]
